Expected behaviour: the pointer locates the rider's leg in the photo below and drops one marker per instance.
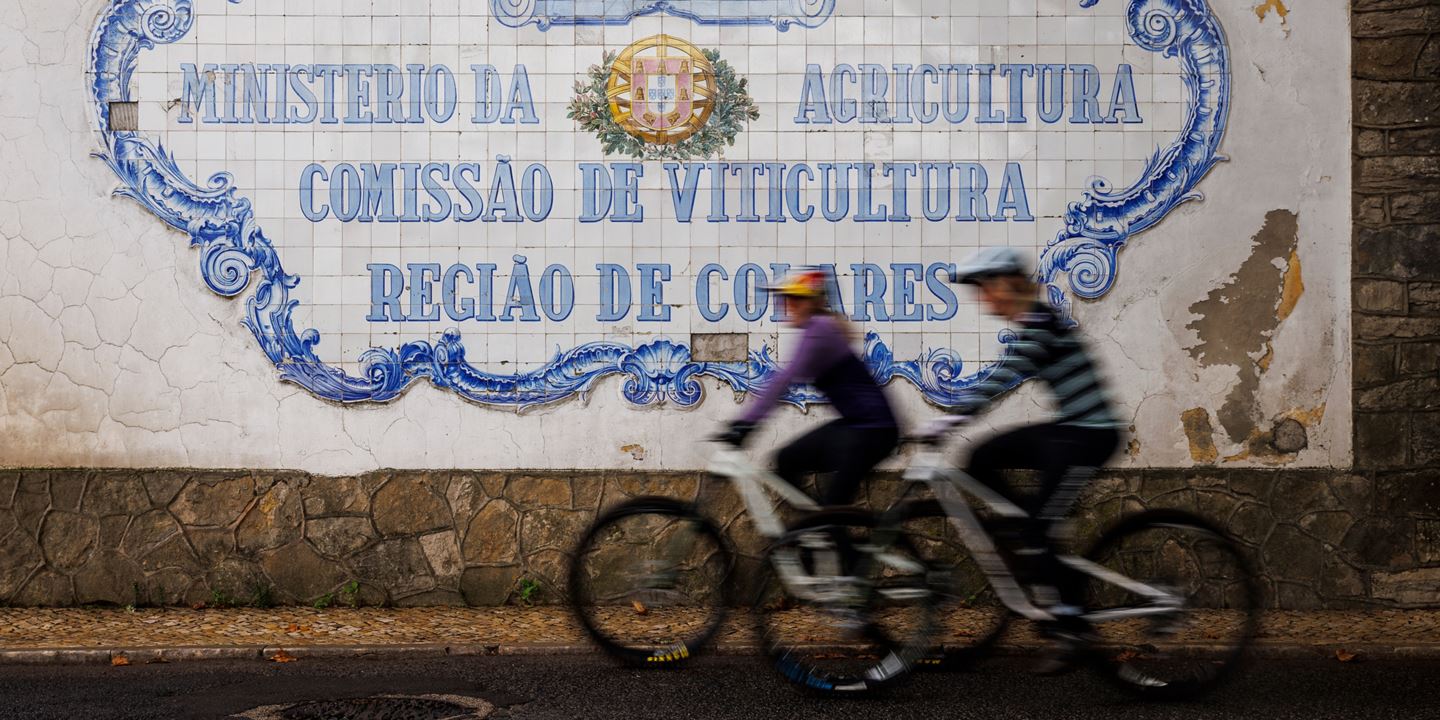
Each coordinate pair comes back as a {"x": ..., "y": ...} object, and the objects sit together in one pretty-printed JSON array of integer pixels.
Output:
[
  {"x": 856, "y": 452},
  {"x": 1075, "y": 454},
  {"x": 1020, "y": 449},
  {"x": 808, "y": 453}
]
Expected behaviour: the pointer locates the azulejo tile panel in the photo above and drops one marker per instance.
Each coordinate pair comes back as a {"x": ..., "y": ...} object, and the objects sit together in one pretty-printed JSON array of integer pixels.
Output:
[{"x": 514, "y": 200}]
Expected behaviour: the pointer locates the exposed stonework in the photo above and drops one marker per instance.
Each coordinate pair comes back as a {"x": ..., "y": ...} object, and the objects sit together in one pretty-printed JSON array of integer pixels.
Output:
[
  {"x": 1397, "y": 234},
  {"x": 1322, "y": 538}
]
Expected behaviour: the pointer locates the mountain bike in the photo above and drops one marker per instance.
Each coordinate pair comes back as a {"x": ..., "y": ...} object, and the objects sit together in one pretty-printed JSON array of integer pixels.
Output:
[
  {"x": 842, "y": 603},
  {"x": 1173, "y": 600}
]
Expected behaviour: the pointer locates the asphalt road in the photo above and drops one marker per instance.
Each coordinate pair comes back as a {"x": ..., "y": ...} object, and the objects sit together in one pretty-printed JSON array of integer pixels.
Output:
[{"x": 588, "y": 687}]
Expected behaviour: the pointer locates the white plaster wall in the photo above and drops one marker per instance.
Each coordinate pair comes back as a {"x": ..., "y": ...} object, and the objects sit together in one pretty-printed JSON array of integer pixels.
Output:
[{"x": 115, "y": 354}]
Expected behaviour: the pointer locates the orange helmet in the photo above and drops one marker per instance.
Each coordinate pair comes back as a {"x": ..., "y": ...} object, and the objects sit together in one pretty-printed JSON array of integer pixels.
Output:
[{"x": 801, "y": 284}]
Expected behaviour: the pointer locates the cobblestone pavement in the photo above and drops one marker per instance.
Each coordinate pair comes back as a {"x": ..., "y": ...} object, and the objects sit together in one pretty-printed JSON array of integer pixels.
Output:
[{"x": 25, "y": 629}]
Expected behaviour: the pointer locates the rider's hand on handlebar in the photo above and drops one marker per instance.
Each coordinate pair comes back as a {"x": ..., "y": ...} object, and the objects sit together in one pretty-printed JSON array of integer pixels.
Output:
[
  {"x": 937, "y": 427},
  {"x": 736, "y": 433}
]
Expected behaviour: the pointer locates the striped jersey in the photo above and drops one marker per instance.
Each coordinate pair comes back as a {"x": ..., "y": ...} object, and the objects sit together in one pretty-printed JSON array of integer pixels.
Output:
[{"x": 1045, "y": 347}]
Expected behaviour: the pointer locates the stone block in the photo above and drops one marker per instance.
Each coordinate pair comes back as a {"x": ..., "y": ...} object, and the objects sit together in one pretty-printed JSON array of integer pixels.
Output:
[
  {"x": 46, "y": 589},
  {"x": 1415, "y": 207},
  {"x": 1390, "y": 19},
  {"x": 1390, "y": 103},
  {"x": 442, "y": 551},
  {"x": 1371, "y": 210},
  {"x": 1425, "y": 300},
  {"x": 301, "y": 573},
  {"x": 431, "y": 598},
  {"x": 410, "y": 505},
  {"x": 213, "y": 500},
  {"x": 1252, "y": 523},
  {"x": 1425, "y": 439},
  {"x": 1379, "y": 296},
  {"x": 1380, "y": 541},
  {"x": 492, "y": 535},
  {"x": 1386, "y": 58},
  {"x": 275, "y": 520},
  {"x": 1415, "y": 141},
  {"x": 112, "y": 494},
  {"x": 488, "y": 586},
  {"x": 67, "y": 489},
  {"x": 396, "y": 566},
  {"x": 551, "y": 529},
  {"x": 340, "y": 537},
  {"x": 148, "y": 531},
  {"x": 1410, "y": 587},
  {"x": 162, "y": 486},
  {"x": 528, "y": 491},
  {"x": 1387, "y": 327},
  {"x": 1409, "y": 493},
  {"x": 1420, "y": 393},
  {"x": 1427, "y": 541},
  {"x": 19, "y": 557},
  {"x": 335, "y": 496},
  {"x": 109, "y": 578},
  {"x": 1397, "y": 172},
  {"x": 1374, "y": 364},
  {"x": 68, "y": 539},
  {"x": 1370, "y": 142},
  {"x": 1404, "y": 251},
  {"x": 1293, "y": 556}
]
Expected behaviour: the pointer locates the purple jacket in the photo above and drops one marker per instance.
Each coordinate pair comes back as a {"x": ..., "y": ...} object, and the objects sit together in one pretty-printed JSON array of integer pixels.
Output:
[{"x": 824, "y": 359}]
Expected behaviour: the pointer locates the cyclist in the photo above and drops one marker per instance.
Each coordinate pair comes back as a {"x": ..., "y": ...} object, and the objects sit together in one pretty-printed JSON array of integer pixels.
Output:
[
  {"x": 1067, "y": 451},
  {"x": 866, "y": 431}
]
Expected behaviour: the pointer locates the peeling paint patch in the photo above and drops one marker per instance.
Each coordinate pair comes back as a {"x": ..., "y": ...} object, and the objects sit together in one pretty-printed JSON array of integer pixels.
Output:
[
  {"x": 1237, "y": 320},
  {"x": 1278, "y": 6},
  {"x": 1286, "y": 437},
  {"x": 1292, "y": 288},
  {"x": 636, "y": 451},
  {"x": 1201, "y": 435}
]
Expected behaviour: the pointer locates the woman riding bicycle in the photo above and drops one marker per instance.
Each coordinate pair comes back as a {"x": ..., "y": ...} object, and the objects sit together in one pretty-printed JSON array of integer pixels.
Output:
[
  {"x": 866, "y": 431},
  {"x": 1067, "y": 450}
]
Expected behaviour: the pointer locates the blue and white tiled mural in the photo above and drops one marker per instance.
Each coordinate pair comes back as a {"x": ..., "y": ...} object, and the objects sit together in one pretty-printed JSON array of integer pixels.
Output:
[{"x": 480, "y": 202}]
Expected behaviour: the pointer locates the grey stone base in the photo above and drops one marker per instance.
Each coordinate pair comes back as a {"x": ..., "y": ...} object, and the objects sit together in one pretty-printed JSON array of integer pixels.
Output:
[{"x": 1323, "y": 539}]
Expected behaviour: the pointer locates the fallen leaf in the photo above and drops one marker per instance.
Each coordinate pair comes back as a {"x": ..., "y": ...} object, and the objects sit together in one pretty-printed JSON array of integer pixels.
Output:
[
  {"x": 1346, "y": 656},
  {"x": 1126, "y": 656},
  {"x": 119, "y": 661},
  {"x": 292, "y": 627},
  {"x": 640, "y": 608},
  {"x": 198, "y": 606},
  {"x": 281, "y": 656}
]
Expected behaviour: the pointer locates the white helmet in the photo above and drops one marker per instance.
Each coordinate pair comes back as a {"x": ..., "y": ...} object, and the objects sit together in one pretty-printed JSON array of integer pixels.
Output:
[{"x": 989, "y": 262}]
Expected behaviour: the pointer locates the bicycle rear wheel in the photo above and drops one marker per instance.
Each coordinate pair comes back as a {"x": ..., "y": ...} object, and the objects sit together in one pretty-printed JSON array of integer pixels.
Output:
[
  {"x": 969, "y": 618},
  {"x": 1192, "y": 639},
  {"x": 650, "y": 581},
  {"x": 830, "y": 631}
]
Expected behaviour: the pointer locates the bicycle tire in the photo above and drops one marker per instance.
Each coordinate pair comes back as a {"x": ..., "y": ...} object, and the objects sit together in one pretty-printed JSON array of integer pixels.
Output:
[
  {"x": 1130, "y": 664},
  {"x": 881, "y": 662},
  {"x": 971, "y": 620},
  {"x": 628, "y": 550}
]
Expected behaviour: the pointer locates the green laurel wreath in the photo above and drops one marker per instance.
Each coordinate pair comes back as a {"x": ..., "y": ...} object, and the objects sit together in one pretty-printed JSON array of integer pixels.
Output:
[{"x": 732, "y": 107}]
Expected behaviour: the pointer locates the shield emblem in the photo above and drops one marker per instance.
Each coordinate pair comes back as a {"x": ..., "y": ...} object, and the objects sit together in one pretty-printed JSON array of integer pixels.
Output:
[{"x": 663, "y": 94}]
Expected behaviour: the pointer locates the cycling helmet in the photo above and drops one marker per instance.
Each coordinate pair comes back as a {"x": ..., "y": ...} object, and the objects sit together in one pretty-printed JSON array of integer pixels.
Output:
[
  {"x": 801, "y": 284},
  {"x": 988, "y": 263}
]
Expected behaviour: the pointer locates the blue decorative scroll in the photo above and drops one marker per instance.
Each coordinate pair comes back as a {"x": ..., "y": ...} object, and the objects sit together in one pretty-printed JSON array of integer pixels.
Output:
[
  {"x": 545, "y": 14},
  {"x": 1087, "y": 250},
  {"x": 236, "y": 256}
]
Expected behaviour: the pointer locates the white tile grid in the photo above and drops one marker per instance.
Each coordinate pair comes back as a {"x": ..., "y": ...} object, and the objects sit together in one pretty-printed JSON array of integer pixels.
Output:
[{"x": 1059, "y": 161}]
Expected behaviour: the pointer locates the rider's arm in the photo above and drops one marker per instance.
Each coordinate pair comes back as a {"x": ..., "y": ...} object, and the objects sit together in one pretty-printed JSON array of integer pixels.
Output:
[
  {"x": 1023, "y": 357},
  {"x": 819, "y": 344}
]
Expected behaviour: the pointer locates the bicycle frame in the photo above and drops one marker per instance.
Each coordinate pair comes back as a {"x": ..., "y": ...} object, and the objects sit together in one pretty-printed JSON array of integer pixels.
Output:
[{"x": 950, "y": 487}]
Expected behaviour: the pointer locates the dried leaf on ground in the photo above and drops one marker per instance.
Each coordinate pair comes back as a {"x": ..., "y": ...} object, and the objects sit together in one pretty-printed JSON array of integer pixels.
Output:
[
  {"x": 640, "y": 608},
  {"x": 281, "y": 656},
  {"x": 119, "y": 661},
  {"x": 292, "y": 627},
  {"x": 1346, "y": 656}
]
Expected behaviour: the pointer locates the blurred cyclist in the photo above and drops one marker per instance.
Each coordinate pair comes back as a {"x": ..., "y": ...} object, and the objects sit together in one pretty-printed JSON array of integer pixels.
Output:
[
  {"x": 865, "y": 433},
  {"x": 1068, "y": 450}
]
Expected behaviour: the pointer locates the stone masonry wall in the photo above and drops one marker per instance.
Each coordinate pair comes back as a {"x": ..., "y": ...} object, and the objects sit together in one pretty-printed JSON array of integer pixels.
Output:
[
  {"x": 1396, "y": 285},
  {"x": 1322, "y": 539}
]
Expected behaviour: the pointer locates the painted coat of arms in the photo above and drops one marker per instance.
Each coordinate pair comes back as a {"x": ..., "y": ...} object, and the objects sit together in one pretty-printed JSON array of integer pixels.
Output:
[{"x": 662, "y": 98}]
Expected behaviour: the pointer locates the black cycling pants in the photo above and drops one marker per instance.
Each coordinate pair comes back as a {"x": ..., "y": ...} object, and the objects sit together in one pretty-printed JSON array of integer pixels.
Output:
[
  {"x": 848, "y": 452},
  {"x": 1067, "y": 458}
]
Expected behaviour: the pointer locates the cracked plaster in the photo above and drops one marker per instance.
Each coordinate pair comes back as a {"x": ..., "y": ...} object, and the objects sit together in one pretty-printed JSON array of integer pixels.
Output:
[{"x": 114, "y": 353}]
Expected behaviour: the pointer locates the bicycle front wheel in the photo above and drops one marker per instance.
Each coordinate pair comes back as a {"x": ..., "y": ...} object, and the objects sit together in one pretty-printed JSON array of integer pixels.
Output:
[
  {"x": 843, "y": 608},
  {"x": 650, "y": 581},
  {"x": 1175, "y": 602}
]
